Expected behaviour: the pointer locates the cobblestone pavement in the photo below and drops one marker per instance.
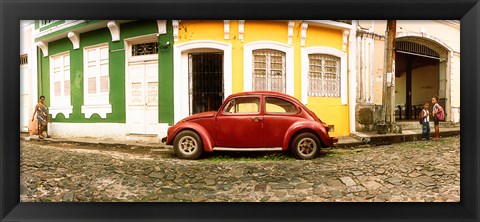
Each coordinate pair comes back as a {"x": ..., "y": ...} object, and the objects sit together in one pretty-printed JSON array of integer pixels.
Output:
[{"x": 407, "y": 172}]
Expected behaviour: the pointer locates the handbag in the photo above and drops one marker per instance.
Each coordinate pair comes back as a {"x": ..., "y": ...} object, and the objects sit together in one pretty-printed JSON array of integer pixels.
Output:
[{"x": 33, "y": 127}]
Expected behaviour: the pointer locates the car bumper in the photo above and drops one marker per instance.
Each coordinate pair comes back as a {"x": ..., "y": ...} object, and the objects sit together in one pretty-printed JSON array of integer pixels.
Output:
[
  {"x": 164, "y": 139},
  {"x": 334, "y": 139}
]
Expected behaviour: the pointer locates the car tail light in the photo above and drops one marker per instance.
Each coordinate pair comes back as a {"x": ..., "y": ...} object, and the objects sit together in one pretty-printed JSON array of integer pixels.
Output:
[{"x": 326, "y": 127}]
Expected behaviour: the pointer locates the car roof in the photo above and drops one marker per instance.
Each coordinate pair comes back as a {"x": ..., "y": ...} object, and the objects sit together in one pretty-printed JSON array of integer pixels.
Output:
[{"x": 265, "y": 93}]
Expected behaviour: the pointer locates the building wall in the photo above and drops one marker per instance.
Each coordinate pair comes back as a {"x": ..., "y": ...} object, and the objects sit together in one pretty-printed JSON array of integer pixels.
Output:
[
  {"x": 28, "y": 74},
  {"x": 445, "y": 35},
  {"x": 273, "y": 32},
  {"x": 114, "y": 123}
]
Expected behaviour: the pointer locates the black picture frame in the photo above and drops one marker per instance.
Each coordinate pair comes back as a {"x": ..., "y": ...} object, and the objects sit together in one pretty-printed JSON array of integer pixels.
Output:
[{"x": 11, "y": 12}]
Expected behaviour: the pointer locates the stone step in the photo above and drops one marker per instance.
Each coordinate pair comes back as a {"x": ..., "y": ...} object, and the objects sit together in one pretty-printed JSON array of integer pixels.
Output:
[{"x": 416, "y": 125}]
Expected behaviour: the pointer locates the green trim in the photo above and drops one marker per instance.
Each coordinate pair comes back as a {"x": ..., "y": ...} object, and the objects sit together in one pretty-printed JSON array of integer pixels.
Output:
[
  {"x": 165, "y": 77},
  {"x": 67, "y": 29},
  {"x": 37, "y": 24},
  {"x": 53, "y": 24}
]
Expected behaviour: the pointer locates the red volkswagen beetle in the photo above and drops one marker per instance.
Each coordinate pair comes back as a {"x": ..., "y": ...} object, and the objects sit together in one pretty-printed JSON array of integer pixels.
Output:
[{"x": 252, "y": 121}]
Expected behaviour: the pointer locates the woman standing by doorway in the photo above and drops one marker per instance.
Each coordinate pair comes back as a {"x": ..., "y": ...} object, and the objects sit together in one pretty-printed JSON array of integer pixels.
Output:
[
  {"x": 436, "y": 109},
  {"x": 42, "y": 116}
]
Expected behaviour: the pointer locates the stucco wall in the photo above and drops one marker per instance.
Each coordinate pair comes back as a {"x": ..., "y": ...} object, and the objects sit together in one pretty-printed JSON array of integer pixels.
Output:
[{"x": 329, "y": 109}]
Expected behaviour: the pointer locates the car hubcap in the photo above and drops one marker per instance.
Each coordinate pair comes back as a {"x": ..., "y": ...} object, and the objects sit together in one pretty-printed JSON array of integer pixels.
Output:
[
  {"x": 307, "y": 146},
  {"x": 188, "y": 144}
]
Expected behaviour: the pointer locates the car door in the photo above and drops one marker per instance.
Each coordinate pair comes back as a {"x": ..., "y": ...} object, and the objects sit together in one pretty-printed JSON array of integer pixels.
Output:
[
  {"x": 279, "y": 115},
  {"x": 239, "y": 124}
]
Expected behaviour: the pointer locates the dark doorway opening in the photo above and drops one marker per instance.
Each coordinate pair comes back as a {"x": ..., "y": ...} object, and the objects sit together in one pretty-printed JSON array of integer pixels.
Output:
[
  {"x": 417, "y": 81},
  {"x": 206, "y": 82}
]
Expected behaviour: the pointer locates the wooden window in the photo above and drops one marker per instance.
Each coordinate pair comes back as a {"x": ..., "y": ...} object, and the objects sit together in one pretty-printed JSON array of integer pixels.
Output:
[
  {"x": 324, "y": 75},
  {"x": 46, "y": 22},
  {"x": 96, "y": 74},
  {"x": 60, "y": 79},
  {"x": 24, "y": 59},
  {"x": 269, "y": 70}
]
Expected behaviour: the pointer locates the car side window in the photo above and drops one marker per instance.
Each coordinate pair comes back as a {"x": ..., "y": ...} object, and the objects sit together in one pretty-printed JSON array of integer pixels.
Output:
[
  {"x": 279, "y": 106},
  {"x": 243, "y": 105}
]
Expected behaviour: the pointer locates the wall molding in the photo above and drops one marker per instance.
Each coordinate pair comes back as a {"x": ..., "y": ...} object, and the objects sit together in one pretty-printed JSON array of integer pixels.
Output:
[
  {"x": 226, "y": 29},
  {"x": 175, "y": 24},
  {"x": 241, "y": 29},
  {"x": 75, "y": 39},
  {"x": 291, "y": 24},
  {"x": 44, "y": 47},
  {"x": 114, "y": 30}
]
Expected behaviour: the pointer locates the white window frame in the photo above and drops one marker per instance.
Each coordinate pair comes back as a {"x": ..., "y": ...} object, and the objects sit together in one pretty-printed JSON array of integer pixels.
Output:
[
  {"x": 306, "y": 68},
  {"x": 248, "y": 63},
  {"x": 62, "y": 103},
  {"x": 98, "y": 102}
]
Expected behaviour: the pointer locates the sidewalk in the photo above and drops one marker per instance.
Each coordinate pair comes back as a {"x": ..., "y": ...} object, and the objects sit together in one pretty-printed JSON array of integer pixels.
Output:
[{"x": 356, "y": 139}]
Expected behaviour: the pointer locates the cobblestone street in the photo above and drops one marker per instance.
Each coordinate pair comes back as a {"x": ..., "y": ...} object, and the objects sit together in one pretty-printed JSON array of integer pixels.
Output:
[{"x": 405, "y": 172}]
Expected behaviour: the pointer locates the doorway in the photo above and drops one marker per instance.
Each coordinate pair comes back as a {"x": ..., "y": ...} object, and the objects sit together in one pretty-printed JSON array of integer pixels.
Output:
[
  {"x": 417, "y": 72},
  {"x": 142, "y": 91},
  {"x": 206, "y": 90}
]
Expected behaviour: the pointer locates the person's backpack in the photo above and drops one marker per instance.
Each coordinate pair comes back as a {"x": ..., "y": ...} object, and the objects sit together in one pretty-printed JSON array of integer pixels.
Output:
[{"x": 441, "y": 115}]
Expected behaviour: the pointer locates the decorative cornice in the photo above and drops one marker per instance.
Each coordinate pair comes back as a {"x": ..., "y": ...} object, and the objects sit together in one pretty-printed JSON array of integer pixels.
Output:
[
  {"x": 44, "y": 47},
  {"x": 162, "y": 26},
  {"x": 241, "y": 29},
  {"x": 291, "y": 24},
  {"x": 114, "y": 30},
  {"x": 75, "y": 39},
  {"x": 175, "y": 24},
  {"x": 304, "y": 34},
  {"x": 226, "y": 29}
]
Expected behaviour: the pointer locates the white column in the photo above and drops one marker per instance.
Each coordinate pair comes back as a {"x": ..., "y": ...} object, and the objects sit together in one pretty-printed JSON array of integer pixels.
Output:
[{"x": 352, "y": 64}]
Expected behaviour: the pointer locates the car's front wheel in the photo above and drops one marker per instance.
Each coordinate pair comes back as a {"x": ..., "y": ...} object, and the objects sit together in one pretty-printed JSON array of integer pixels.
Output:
[
  {"x": 188, "y": 145},
  {"x": 305, "y": 146}
]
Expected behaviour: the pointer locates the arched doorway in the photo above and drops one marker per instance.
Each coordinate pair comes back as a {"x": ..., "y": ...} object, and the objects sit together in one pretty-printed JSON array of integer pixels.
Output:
[
  {"x": 421, "y": 71},
  {"x": 201, "y": 66}
]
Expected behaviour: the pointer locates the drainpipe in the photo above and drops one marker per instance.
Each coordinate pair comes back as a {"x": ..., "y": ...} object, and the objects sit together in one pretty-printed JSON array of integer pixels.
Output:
[{"x": 352, "y": 74}]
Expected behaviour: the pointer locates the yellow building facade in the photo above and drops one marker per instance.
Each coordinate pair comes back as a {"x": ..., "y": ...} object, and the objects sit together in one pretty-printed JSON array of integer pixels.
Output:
[{"x": 305, "y": 59}]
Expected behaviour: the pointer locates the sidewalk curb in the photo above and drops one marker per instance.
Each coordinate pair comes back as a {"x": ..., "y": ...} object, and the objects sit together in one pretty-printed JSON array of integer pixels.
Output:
[
  {"x": 357, "y": 139},
  {"x": 386, "y": 139},
  {"x": 125, "y": 145}
]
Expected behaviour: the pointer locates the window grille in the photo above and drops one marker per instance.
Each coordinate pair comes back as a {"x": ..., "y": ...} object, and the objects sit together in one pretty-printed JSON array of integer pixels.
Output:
[
  {"x": 324, "y": 75},
  {"x": 269, "y": 70},
  {"x": 24, "y": 59},
  {"x": 415, "y": 48},
  {"x": 145, "y": 49},
  {"x": 46, "y": 22}
]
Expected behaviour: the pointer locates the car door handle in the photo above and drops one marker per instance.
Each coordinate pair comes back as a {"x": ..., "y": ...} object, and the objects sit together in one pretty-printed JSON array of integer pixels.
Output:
[{"x": 256, "y": 119}]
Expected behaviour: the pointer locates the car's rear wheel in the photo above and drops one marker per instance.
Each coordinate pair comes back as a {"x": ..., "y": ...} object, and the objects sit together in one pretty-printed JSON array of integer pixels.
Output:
[
  {"x": 188, "y": 145},
  {"x": 306, "y": 146}
]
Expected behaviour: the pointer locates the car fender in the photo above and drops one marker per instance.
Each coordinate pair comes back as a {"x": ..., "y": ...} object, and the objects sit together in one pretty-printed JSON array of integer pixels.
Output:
[
  {"x": 200, "y": 130},
  {"x": 306, "y": 125}
]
